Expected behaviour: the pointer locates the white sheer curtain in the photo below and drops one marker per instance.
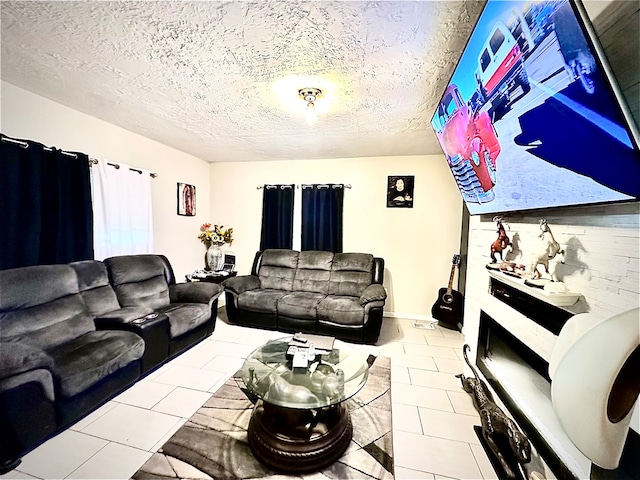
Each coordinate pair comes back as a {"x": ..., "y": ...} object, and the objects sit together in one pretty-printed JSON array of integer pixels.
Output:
[{"x": 122, "y": 211}]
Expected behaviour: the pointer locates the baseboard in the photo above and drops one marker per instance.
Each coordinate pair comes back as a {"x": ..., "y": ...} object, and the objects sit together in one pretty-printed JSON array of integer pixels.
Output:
[{"x": 409, "y": 316}]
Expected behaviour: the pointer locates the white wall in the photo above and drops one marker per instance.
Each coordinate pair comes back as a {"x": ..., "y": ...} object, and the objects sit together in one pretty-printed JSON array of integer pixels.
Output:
[
  {"x": 417, "y": 244},
  {"x": 32, "y": 117}
]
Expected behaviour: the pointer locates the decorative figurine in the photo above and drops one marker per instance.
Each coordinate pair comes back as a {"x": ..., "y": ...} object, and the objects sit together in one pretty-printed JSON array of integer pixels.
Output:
[
  {"x": 547, "y": 251},
  {"x": 497, "y": 428},
  {"x": 502, "y": 242}
]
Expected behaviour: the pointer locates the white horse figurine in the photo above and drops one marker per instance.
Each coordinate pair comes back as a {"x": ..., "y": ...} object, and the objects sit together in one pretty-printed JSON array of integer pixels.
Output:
[{"x": 548, "y": 250}]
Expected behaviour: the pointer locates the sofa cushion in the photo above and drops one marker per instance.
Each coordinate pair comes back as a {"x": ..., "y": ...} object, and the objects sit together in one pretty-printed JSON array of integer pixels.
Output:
[
  {"x": 152, "y": 293},
  {"x": 341, "y": 310},
  {"x": 277, "y": 269},
  {"x": 91, "y": 274},
  {"x": 45, "y": 326},
  {"x": 98, "y": 294},
  {"x": 32, "y": 286},
  {"x": 312, "y": 274},
  {"x": 41, "y": 306},
  {"x": 94, "y": 286},
  {"x": 302, "y": 305},
  {"x": 184, "y": 317},
  {"x": 261, "y": 301},
  {"x": 86, "y": 360},
  {"x": 139, "y": 280},
  {"x": 351, "y": 273}
]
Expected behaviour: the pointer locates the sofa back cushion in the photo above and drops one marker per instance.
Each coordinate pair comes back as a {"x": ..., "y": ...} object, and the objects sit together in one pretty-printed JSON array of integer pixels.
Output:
[
  {"x": 277, "y": 269},
  {"x": 351, "y": 273},
  {"x": 312, "y": 274},
  {"x": 94, "y": 286},
  {"x": 139, "y": 280},
  {"x": 41, "y": 306}
]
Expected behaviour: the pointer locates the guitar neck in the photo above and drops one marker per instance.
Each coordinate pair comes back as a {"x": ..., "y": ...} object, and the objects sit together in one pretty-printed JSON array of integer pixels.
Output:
[{"x": 453, "y": 271}]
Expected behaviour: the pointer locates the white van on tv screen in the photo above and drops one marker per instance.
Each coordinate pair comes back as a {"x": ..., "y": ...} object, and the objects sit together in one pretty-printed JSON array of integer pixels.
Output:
[{"x": 532, "y": 118}]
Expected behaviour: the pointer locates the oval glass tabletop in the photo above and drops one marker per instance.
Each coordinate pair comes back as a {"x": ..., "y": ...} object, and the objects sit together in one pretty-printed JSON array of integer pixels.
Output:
[{"x": 329, "y": 379}]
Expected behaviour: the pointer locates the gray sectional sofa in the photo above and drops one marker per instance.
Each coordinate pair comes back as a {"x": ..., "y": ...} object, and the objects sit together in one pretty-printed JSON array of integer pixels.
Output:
[
  {"x": 73, "y": 336},
  {"x": 337, "y": 294}
]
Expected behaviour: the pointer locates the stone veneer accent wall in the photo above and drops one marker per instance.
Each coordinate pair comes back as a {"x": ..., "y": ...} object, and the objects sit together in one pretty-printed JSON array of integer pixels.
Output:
[{"x": 602, "y": 262}]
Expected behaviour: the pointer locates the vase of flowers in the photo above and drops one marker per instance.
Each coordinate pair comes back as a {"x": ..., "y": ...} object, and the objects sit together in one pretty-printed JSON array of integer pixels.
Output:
[{"x": 213, "y": 237}]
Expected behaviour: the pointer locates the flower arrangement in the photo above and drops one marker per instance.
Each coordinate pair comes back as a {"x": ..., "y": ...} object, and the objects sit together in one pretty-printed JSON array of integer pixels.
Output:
[{"x": 215, "y": 234}]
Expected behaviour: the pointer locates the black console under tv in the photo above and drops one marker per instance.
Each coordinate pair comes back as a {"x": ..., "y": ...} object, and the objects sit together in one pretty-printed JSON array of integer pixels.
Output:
[{"x": 544, "y": 314}]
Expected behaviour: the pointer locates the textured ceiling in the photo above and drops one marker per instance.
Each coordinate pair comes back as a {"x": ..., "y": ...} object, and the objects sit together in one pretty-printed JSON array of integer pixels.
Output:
[{"x": 219, "y": 80}]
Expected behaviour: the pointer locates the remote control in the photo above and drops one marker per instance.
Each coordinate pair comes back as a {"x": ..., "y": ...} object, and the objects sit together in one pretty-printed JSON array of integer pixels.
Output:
[{"x": 299, "y": 338}]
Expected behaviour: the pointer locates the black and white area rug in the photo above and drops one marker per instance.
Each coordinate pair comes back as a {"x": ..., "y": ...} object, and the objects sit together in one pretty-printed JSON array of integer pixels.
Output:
[{"x": 212, "y": 444}]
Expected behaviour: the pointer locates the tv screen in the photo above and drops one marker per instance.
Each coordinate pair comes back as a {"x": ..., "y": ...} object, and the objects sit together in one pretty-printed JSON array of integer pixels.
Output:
[{"x": 531, "y": 117}]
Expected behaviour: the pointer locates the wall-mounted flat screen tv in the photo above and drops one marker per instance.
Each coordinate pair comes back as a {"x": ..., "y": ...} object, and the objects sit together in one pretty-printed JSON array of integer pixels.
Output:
[{"x": 532, "y": 117}]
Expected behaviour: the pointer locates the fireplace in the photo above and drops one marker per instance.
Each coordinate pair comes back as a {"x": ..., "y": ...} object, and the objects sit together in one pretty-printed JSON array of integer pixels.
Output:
[{"x": 521, "y": 380}]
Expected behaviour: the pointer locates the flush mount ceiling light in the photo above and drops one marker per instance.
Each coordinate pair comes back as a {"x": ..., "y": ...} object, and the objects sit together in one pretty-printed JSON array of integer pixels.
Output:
[
  {"x": 310, "y": 95},
  {"x": 289, "y": 94}
]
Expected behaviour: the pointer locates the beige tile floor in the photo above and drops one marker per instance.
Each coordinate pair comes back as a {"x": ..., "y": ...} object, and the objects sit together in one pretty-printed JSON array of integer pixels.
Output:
[{"x": 433, "y": 417}]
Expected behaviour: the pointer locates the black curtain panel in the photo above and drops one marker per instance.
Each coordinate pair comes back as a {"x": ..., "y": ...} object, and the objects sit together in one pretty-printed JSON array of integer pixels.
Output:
[
  {"x": 45, "y": 205},
  {"x": 322, "y": 217},
  {"x": 277, "y": 217}
]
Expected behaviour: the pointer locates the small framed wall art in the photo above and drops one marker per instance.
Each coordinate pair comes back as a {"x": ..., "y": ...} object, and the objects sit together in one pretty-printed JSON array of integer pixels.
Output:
[
  {"x": 186, "y": 199},
  {"x": 400, "y": 191}
]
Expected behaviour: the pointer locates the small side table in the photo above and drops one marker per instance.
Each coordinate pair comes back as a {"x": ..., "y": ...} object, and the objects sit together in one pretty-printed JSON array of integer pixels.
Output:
[
  {"x": 154, "y": 330},
  {"x": 211, "y": 277}
]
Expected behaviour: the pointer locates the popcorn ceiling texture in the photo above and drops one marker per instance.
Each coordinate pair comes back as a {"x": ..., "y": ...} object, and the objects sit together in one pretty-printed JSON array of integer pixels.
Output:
[{"x": 199, "y": 76}]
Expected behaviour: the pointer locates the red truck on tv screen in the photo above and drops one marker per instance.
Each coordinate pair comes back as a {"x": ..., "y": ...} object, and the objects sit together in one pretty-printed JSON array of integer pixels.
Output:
[{"x": 470, "y": 144}]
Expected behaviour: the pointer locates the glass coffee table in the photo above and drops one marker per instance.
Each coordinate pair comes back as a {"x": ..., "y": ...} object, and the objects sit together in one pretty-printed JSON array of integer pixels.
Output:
[{"x": 300, "y": 422}]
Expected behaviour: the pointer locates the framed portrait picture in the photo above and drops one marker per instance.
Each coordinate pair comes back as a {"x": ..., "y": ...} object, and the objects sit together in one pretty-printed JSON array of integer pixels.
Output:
[
  {"x": 400, "y": 191},
  {"x": 186, "y": 199}
]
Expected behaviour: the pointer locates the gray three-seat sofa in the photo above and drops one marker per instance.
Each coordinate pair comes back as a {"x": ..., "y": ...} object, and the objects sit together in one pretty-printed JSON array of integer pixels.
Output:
[
  {"x": 72, "y": 336},
  {"x": 336, "y": 294}
]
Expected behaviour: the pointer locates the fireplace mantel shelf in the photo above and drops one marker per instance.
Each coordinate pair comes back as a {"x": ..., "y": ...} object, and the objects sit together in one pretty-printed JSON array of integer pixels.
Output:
[{"x": 558, "y": 299}]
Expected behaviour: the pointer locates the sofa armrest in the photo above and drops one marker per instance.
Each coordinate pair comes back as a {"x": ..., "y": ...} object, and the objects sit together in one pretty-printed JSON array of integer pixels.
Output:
[
  {"x": 17, "y": 358},
  {"x": 40, "y": 377},
  {"x": 241, "y": 284},
  {"x": 374, "y": 292},
  {"x": 196, "y": 292}
]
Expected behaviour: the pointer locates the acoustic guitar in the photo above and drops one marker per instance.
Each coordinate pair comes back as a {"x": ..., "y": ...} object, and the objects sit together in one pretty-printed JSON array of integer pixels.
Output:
[{"x": 448, "y": 308}]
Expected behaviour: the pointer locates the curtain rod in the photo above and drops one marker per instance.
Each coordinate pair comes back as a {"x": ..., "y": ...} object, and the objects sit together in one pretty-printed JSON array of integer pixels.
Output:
[
  {"x": 260, "y": 187},
  {"x": 26, "y": 145},
  {"x": 94, "y": 161}
]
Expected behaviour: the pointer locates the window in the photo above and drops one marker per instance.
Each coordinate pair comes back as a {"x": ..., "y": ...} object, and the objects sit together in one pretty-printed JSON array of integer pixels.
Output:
[
  {"x": 485, "y": 59},
  {"x": 496, "y": 41}
]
